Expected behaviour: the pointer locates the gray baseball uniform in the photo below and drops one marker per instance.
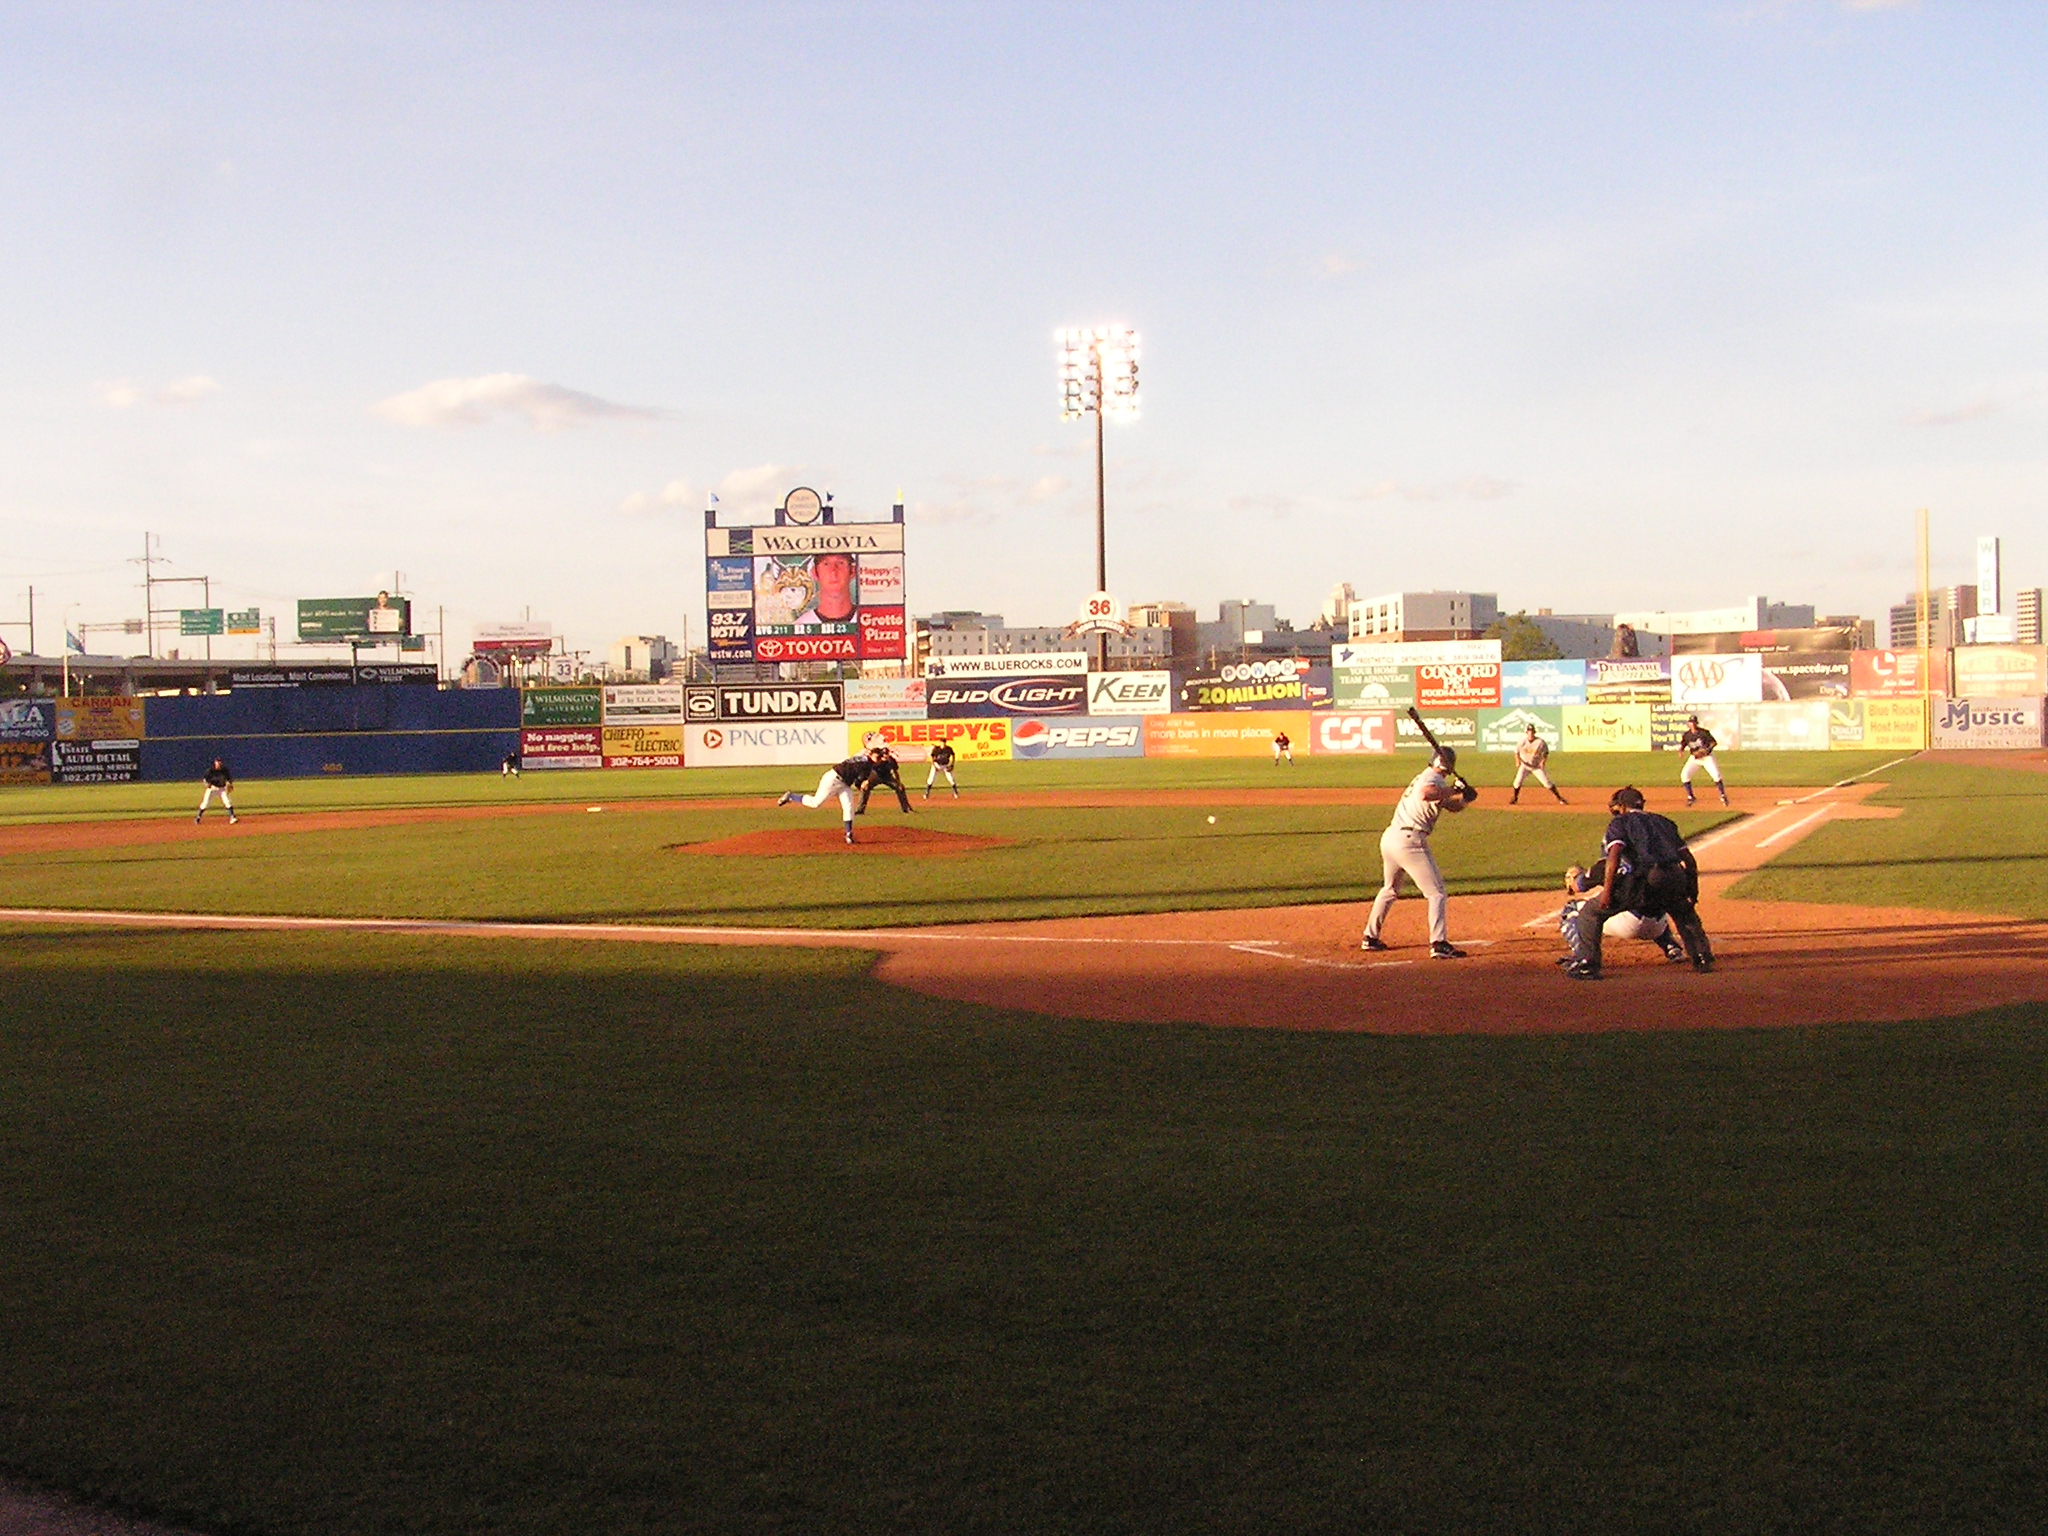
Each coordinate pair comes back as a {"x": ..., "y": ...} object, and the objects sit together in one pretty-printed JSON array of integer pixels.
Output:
[{"x": 1404, "y": 851}]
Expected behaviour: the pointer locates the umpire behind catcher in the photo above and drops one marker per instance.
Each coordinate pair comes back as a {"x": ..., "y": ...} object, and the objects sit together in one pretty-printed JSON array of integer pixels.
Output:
[{"x": 1648, "y": 870}]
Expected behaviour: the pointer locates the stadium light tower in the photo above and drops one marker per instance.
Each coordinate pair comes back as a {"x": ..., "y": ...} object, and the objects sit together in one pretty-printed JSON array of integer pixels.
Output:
[{"x": 1099, "y": 377}]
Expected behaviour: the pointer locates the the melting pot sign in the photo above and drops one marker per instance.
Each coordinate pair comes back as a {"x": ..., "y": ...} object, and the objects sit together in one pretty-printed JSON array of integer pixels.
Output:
[
  {"x": 1093, "y": 737},
  {"x": 1063, "y": 693}
]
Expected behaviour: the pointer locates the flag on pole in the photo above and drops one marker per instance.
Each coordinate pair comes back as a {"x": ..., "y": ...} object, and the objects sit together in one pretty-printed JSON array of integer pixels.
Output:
[{"x": 73, "y": 643}]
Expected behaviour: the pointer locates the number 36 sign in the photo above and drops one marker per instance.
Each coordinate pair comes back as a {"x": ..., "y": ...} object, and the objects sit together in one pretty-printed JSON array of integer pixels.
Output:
[{"x": 1103, "y": 614}]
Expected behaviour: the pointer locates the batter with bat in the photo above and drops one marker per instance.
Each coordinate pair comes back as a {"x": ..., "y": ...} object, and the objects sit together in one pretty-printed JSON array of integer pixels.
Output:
[{"x": 1404, "y": 847}]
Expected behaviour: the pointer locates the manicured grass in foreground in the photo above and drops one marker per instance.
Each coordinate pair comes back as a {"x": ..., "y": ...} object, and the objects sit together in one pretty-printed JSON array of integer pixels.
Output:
[
  {"x": 326, "y": 1234},
  {"x": 1970, "y": 839}
]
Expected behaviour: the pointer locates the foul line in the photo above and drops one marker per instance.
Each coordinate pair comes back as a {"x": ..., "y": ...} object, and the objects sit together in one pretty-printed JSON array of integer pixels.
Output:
[{"x": 1788, "y": 830}]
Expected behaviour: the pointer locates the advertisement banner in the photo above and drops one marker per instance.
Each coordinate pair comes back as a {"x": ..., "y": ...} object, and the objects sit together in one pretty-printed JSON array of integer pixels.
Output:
[
  {"x": 1457, "y": 685},
  {"x": 1223, "y": 734},
  {"x": 884, "y": 698},
  {"x": 883, "y": 633},
  {"x": 1063, "y": 693},
  {"x": 95, "y": 762},
  {"x": 1631, "y": 680},
  {"x": 643, "y": 746},
  {"x": 1130, "y": 693},
  {"x": 1006, "y": 666},
  {"x": 1249, "y": 685},
  {"x": 24, "y": 762},
  {"x": 730, "y": 633},
  {"x": 700, "y": 705},
  {"x": 1459, "y": 732},
  {"x": 1096, "y": 736},
  {"x": 1845, "y": 724},
  {"x": 341, "y": 619},
  {"x": 1806, "y": 675},
  {"x": 1412, "y": 653},
  {"x": 562, "y": 747},
  {"x": 1890, "y": 674},
  {"x": 562, "y": 706},
  {"x": 101, "y": 718},
  {"x": 1605, "y": 727},
  {"x": 343, "y": 676},
  {"x": 1375, "y": 685},
  {"x": 834, "y": 647},
  {"x": 781, "y": 701},
  {"x": 806, "y": 592},
  {"x": 644, "y": 704},
  {"x": 1801, "y": 726},
  {"x": 1352, "y": 733},
  {"x": 520, "y": 639},
  {"x": 1502, "y": 730},
  {"x": 973, "y": 741},
  {"x": 1895, "y": 725},
  {"x": 795, "y": 742},
  {"x": 2000, "y": 671},
  {"x": 1717, "y": 679},
  {"x": 1668, "y": 725},
  {"x": 1542, "y": 683},
  {"x": 27, "y": 719},
  {"x": 400, "y": 674},
  {"x": 1987, "y": 723}
]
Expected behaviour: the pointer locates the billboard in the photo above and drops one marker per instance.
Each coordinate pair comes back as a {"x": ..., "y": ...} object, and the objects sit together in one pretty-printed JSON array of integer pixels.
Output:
[
  {"x": 884, "y": 698},
  {"x": 2000, "y": 671},
  {"x": 1604, "y": 727},
  {"x": 1806, "y": 675},
  {"x": 1096, "y": 736},
  {"x": 1895, "y": 725},
  {"x": 1412, "y": 653},
  {"x": 1282, "y": 684},
  {"x": 1459, "y": 731},
  {"x": 561, "y": 706},
  {"x": 1715, "y": 678},
  {"x": 528, "y": 639},
  {"x": 974, "y": 741},
  {"x": 1541, "y": 683},
  {"x": 806, "y": 591},
  {"x": 644, "y": 704},
  {"x": 24, "y": 762},
  {"x": 1006, "y": 666},
  {"x": 741, "y": 745},
  {"x": 361, "y": 620},
  {"x": 1889, "y": 674},
  {"x": 780, "y": 701},
  {"x": 1799, "y": 726},
  {"x": 1062, "y": 693},
  {"x": 556, "y": 746},
  {"x": 100, "y": 718},
  {"x": 27, "y": 719},
  {"x": 1630, "y": 680},
  {"x": 1375, "y": 684},
  {"x": 643, "y": 746},
  {"x": 1501, "y": 730},
  {"x": 1130, "y": 693},
  {"x": 1668, "y": 725},
  {"x": 1982, "y": 723},
  {"x": 1352, "y": 733},
  {"x": 1220, "y": 734},
  {"x": 95, "y": 762},
  {"x": 1457, "y": 685}
]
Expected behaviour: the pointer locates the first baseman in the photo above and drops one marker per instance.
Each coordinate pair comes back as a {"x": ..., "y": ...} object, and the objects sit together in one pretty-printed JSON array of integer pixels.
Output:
[
  {"x": 1698, "y": 745},
  {"x": 1531, "y": 753},
  {"x": 842, "y": 780},
  {"x": 218, "y": 781},
  {"x": 1404, "y": 851},
  {"x": 942, "y": 762}
]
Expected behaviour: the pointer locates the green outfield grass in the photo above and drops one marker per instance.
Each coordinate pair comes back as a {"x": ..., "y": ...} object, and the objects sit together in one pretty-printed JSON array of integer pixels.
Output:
[
  {"x": 1599, "y": 773},
  {"x": 326, "y": 1234},
  {"x": 1969, "y": 839}
]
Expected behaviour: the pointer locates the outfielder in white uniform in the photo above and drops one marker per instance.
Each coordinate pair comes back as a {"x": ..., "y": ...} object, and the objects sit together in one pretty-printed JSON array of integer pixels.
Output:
[
  {"x": 1530, "y": 756},
  {"x": 1404, "y": 851}
]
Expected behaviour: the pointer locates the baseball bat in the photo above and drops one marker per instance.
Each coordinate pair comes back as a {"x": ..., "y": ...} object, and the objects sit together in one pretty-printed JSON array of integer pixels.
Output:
[{"x": 1436, "y": 746}]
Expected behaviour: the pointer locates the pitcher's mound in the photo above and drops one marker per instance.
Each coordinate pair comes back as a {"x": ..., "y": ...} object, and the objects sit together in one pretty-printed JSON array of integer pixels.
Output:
[{"x": 887, "y": 837}]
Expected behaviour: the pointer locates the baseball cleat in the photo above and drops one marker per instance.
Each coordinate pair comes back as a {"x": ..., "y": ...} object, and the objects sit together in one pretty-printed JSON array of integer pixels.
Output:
[
  {"x": 1674, "y": 952},
  {"x": 788, "y": 798},
  {"x": 1377, "y": 946},
  {"x": 1445, "y": 952},
  {"x": 199, "y": 818},
  {"x": 1704, "y": 965},
  {"x": 1579, "y": 970},
  {"x": 234, "y": 820}
]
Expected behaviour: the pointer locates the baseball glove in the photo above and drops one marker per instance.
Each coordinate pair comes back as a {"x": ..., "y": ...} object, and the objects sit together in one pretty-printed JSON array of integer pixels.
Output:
[{"x": 1573, "y": 874}]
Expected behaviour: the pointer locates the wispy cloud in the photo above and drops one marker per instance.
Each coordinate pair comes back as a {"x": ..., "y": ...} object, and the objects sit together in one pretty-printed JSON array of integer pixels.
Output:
[
  {"x": 1471, "y": 488},
  {"x": 123, "y": 393},
  {"x": 470, "y": 402},
  {"x": 1976, "y": 410}
]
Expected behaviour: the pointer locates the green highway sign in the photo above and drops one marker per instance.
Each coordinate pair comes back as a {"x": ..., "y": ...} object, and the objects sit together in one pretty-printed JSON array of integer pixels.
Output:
[
  {"x": 245, "y": 621},
  {"x": 201, "y": 621}
]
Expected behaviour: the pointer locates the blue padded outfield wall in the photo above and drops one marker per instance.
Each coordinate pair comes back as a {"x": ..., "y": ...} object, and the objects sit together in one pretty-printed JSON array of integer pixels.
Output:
[{"x": 296, "y": 733}]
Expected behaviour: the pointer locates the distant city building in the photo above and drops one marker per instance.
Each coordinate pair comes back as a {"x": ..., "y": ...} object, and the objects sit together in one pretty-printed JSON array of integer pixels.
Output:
[
  {"x": 1583, "y": 636},
  {"x": 1400, "y": 616},
  {"x": 649, "y": 657},
  {"x": 984, "y": 634},
  {"x": 1176, "y": 618},
  {"x": 2026, "y": 612},
  {"x": 1947, "y": 608},
  {"x": 1866, "y": 629}
]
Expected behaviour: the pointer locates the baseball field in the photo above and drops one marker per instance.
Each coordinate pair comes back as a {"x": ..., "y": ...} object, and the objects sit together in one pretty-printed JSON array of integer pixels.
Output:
[{"x": 623, "y": 1153}]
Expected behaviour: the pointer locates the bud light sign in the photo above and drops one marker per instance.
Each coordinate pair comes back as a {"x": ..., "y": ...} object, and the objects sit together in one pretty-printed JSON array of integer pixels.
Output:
[
  {"x": 1060, "y": 693},
  {"x": 1031, "y": 740}
]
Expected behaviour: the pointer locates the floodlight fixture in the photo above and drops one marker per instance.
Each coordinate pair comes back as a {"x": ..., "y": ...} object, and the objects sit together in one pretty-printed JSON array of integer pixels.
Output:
[{"x": 1099, "y": 378}]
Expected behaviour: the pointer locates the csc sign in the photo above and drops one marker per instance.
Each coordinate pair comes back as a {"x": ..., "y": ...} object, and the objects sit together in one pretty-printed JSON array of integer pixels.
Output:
[{"x": 1353, "y": 734}]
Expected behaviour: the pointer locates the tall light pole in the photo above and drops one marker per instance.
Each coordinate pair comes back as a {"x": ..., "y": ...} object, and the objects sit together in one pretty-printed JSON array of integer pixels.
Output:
[{"x": 1099, "y": 377}]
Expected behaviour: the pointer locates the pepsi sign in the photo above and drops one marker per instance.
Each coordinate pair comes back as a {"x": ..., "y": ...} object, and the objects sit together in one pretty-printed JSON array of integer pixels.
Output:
[
  {"x": 1064, "y": 693},
  {"x": 1031, "y": 740}
]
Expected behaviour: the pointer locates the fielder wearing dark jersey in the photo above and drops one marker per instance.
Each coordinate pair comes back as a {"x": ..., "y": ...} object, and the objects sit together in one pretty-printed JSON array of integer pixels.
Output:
[
  {"x": 1662, "y": 879},
  {"x": 842, "y": 780},
  {"x": 942, "y": 762},
  {"x": 1698, "y": 746},
  {"x": 218, "y": 781},
  {"x": 887, "y": 773}
]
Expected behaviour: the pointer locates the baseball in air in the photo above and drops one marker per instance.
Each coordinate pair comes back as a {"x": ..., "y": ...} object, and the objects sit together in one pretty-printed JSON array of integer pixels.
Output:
[{"x": 1212, "y": 821}]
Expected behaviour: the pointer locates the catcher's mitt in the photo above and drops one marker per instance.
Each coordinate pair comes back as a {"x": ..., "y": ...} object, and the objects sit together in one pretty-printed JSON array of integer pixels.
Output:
[{"x": 1573, "y": 874}]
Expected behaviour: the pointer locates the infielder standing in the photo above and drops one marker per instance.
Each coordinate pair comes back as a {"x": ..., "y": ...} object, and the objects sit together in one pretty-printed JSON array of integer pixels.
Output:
[
  {"x": 942, "y": 762},
  {"x": 1698, "y": 745},
  {"x": 1404, "y": 850},
  {"x": 218, "y": 781},
  {"x": 1530, "y": 756},
  {"x": 842, "y": 780},
  {"x": 1282, "y": 747}
]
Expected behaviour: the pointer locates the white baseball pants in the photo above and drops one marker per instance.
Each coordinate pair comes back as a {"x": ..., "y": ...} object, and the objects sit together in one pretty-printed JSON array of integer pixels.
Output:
[
  {"x": 1523, "y": 773},
  {"x": 932, "y": 777},
  {"x": 207, "y": 799},
  {"x": 1407, "y": 853},
  {"x": 1695, "y": 764},
  {"x": 831, "y": 784}
]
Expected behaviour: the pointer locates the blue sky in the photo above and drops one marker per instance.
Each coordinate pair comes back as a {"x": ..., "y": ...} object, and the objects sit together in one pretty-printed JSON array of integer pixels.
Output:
[{"x": 1593, "y": 306}]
